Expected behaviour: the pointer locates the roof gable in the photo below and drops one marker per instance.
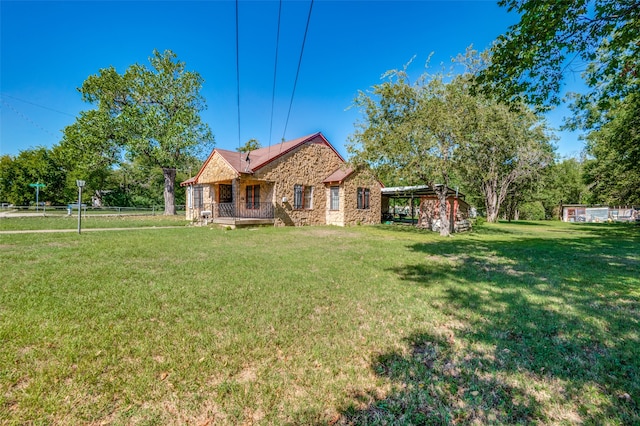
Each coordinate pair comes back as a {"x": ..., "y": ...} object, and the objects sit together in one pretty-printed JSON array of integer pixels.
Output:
[
  {"x": 263, "y": 156},
  {"x": 224, "y": 157},
  {"x": 260, "y": 157}
]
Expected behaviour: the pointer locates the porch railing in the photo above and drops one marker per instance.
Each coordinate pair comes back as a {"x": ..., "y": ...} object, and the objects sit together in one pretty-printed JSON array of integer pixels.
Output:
[{"x": 244, "y": 210}]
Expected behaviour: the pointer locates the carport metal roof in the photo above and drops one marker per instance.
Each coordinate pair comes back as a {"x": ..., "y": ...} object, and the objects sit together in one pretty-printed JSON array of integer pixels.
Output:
[{"x": 416, "y": 191}]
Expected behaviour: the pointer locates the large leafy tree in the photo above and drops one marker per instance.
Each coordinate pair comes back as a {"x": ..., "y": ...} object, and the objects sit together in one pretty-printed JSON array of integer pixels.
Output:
[
  {"x": 599, "y": 37},
  {"x": 437, "y": 129},
  {"x": 410, "y": 129},
  {"x": 148, "y": 114},
  {"x": 503, "y": 149}
]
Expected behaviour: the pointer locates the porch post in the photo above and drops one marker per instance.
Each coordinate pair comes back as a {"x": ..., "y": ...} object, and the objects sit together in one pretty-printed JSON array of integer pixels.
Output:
[{"x": 235, "y": 191}]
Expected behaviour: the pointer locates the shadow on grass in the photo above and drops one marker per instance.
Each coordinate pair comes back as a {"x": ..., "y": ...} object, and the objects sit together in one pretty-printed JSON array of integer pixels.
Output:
[
  {"x": 405, "y": 228},
  {"x": 434, "y": 386},
  {"x": 524, "y": 222},
  {"x": 537, "y": 330}
]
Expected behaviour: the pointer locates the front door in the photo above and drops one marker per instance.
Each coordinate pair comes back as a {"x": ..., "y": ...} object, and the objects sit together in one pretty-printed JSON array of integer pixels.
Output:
[
  {"x": 225, "y": 200},
  {"x": 226, "y": 194}
]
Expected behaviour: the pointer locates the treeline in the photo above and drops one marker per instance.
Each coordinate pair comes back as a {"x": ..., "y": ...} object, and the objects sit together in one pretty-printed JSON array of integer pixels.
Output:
[{"x": 129, "y": 184}]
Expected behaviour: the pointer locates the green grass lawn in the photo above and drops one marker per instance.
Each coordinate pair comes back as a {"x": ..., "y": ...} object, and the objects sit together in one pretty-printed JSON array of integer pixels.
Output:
[
  {"x": 87, "y": 222},
  {"x": 513, "y": 323}
]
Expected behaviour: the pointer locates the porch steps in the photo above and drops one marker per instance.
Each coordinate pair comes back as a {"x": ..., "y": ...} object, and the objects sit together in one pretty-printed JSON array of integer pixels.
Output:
[{"x": 241, "y": 222}]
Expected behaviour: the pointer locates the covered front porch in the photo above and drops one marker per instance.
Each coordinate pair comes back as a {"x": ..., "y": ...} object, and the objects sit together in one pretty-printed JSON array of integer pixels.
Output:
[
  {"x": 238, "y": 214},
  {"x": 234, "y": 203}
]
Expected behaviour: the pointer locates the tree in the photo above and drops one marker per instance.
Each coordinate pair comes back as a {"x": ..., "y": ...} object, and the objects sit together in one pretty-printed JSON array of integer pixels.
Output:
[
  {"x": 504, "y": 148},
  {"x": 251, "y": 145},
  {"x": 614, "y": 170},
  {"x": 413, "y": 128},
  {"x": 31, "y": 166},
  {"x": 89, "y": 152},
  {"x": 150, "y": 115},
  {"x": 432, "y": 131},
  {"x": 530, "y": 60},
  {"x": 562, "y": 183},
  {"x": 7, "y": 179}
]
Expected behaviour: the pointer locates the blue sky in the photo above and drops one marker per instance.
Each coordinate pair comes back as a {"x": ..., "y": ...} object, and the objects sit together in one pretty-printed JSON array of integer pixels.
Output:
[{"x": 48, "y": 48}]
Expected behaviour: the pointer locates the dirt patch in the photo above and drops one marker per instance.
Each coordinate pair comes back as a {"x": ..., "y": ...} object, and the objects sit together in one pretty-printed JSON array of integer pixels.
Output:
[{"x": 248, "y": 374}]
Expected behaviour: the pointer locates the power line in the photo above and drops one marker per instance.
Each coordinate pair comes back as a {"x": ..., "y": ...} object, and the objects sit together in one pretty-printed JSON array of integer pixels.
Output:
[
  {"x": 295, "y": 83},
  {"x": 26, "y": 118},
  {"x": 38, "y": 105},
  {"x": 275, "y": 69},
  {"x": 238, "y": 68}
]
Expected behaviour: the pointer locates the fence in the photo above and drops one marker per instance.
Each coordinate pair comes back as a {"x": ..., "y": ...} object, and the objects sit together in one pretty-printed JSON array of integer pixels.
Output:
[{"x": 44, "y": 210}]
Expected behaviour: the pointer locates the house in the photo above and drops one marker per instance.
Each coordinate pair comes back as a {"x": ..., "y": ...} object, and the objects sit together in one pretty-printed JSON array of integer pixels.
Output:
[{"x": 301, "y": 182}]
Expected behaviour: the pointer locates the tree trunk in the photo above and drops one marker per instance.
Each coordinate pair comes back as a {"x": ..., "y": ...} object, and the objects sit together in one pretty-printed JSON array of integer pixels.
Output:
[
  {"x": 490, "y": 202},
  {"x": 441, "y": 192},
  {"x": 169, "y": 191}
]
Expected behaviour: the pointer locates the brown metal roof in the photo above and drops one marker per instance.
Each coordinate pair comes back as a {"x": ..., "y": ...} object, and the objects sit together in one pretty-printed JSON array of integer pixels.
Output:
[
  {"x": 260, "y": 157},
  {"x": 339, "y": 175}
]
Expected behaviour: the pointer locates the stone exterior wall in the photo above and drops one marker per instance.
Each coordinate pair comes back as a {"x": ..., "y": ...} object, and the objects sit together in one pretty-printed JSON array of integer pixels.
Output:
[
  {"x": 429, "y": 215},
  {"x": 217, "y": 170},
  {"x": 308, "y": 165},
  {"x": 353, "y": 215},
  {"x": 208, "y": 197}
]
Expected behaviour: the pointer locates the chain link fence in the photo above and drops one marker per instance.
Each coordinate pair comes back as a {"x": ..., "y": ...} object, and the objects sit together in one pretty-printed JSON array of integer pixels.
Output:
[{"x": 8, "y": 210}]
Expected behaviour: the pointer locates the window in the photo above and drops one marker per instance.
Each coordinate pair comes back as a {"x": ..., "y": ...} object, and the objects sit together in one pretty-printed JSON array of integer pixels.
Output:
[
  {"x": 308, "y": 197},
  {"x": 253, "y": 196},
  {"x": 302, "y": 197},
  {"x": 334, "y": 198},
  {"x": 197, "y": 197},
  {"x": 363, "y": 198}
]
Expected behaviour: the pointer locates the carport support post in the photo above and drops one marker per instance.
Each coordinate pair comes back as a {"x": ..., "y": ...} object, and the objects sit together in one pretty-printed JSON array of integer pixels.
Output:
[
  {"x": 412, "y": 208},
  {"x": 80, "y": 184}
]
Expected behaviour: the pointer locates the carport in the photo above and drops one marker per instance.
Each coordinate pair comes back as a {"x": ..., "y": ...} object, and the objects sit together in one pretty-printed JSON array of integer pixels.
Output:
[{"x": 399, "y": 202}]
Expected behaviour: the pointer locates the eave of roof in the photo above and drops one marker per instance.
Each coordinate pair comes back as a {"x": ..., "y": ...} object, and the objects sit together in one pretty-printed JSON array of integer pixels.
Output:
[
  {"x": 188, "y": 182},
  {"x": 339, "y": 175}
]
